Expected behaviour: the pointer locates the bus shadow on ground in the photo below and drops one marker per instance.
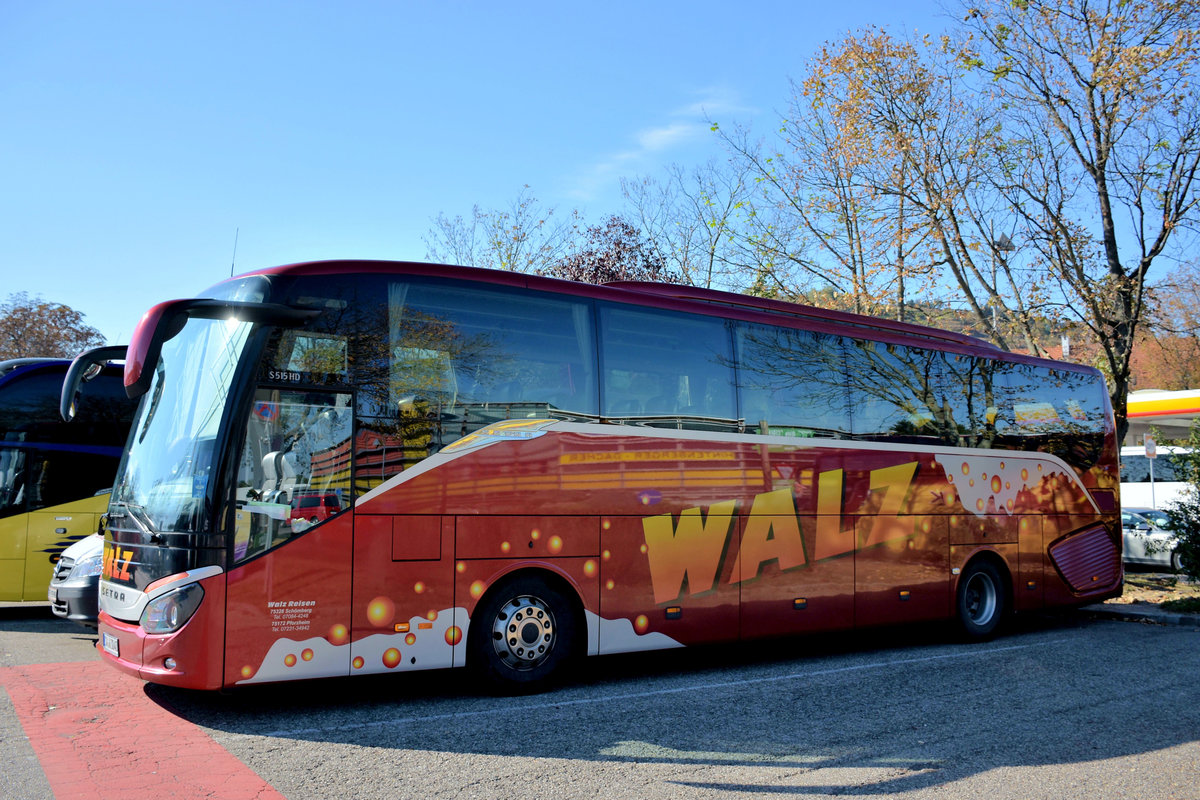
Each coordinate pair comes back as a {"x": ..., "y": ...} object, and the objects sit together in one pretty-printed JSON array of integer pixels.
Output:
[
  {"x": 38, "y": 618},
  {"x": 871, "y": 711}
]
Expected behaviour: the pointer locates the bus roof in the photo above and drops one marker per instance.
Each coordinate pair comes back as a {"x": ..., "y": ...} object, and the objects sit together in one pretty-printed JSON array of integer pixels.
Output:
[
  {"x": 16, "y": 363},
  {"x": 799, "y": 310},
  {"x": 672, "y": 296}
]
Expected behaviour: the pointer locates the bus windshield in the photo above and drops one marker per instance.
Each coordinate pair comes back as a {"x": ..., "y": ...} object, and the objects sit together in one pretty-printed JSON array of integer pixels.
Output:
[{"x": 165, "y": 474}]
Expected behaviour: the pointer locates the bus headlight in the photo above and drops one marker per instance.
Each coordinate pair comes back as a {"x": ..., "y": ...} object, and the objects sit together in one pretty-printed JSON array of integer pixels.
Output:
[{"x": 170, "y": 611}]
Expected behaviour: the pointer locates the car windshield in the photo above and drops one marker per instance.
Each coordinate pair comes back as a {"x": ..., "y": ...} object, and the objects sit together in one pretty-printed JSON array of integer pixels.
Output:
[
  {"x": 164, "y": 475},
  {"x": 1137, "y": 469},
  {"x": 1158, "y": 518}
]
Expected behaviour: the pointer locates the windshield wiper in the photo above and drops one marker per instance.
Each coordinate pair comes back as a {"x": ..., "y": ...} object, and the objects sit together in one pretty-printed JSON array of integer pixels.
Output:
[{"x": 137, "y": 514}]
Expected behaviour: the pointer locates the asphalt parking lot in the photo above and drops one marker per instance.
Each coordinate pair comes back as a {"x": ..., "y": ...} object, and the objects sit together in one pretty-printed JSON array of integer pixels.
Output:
[{"x": 1062, "y": 706}]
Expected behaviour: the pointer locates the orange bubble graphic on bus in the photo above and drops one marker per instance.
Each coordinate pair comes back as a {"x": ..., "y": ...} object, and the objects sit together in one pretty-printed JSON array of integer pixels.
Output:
[
  {"x": 289, "y": 660},
  {"x": 419, "y": 587},
  {"x": 391, "y": 658},
  {"x": 997, "y": 484},
  {"x": 431, "y": 615},
  {"x": 589, "y": 568},
  {"x": 411, "y": 639},
  {"x": 606, "y": 555},
  {"x": 307, "y": 654},
  {"x": 358, "y": 662},
  {"x": 555, "y": 545},
  {"x": 641, "y": 623},
  {"x": 505, "y": 547},
  {"x": 610, "y": 584},
  {"x": 247, "y": 671},
  {"x": 606, "y": 524},
  {"x": 966, "y": 468},
  {"x": 461, "y": 566},
  {"x": 1024, "y": 474},
  {"x": 453, "y": 635},
  {"x": 380, "y": 612},
  {"x": 477, "y": 589},
  {"x": 339, "y": 634},
  {"x": 535, "y": 534}
]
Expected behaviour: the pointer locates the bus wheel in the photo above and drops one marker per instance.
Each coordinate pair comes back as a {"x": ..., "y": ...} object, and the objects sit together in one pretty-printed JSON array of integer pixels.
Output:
[
  {"x": 982, "y": 600},
  {"x": 521, "y": 634},
  {"x": 1176, "y": 562}
]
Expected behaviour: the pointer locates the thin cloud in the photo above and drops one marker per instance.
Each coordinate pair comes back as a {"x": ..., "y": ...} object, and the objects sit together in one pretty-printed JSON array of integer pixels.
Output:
[
  {"x": 656, "y": 140},
  {"x": 686, "y": 125},
  {"x": 717, "y": 100}
]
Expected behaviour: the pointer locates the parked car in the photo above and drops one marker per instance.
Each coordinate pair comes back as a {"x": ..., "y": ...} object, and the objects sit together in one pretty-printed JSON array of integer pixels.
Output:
[
  {"x": 314, "y": 508},
  {"x": 1147, "y": 539},
  {"x": 75, "y": 585}
]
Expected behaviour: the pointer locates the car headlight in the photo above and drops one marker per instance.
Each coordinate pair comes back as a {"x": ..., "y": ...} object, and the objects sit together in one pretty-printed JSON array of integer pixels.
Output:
[
  {"x": 170, "y": 611},
  {"x": 87, "y": 567}
]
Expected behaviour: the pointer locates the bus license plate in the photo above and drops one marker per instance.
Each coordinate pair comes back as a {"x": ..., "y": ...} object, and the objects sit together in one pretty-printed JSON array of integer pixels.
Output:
[{"x": 111, "y": 644}]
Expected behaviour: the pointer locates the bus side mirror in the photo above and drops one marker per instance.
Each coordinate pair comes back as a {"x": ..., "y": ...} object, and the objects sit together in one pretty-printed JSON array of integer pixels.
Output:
[{"x": 85, "y": 367}]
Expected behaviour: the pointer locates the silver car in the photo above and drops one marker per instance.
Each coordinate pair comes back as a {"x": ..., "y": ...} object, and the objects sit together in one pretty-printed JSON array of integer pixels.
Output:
[
  {"x": 74, "y": 591},
  {"x": 1147, "y": 539}
]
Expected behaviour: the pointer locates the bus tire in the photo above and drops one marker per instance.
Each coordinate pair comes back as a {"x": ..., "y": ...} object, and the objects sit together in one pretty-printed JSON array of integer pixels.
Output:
[
  {"x": 521, "y": 635},
  {"x": 982, "y": 600},
  {"x": 1176, "y": 562}
]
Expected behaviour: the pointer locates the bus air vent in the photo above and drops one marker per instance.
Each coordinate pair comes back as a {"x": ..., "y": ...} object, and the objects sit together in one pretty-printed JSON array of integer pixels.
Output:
[{"x": 1089, "y": 561}]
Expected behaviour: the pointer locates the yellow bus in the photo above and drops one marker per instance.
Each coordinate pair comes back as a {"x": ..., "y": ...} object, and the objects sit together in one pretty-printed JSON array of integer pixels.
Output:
[{"x": 55, "y": 476}]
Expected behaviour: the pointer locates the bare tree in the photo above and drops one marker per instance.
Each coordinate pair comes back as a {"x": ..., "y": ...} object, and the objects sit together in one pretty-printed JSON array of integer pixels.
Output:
[
  {"x": 831, "y": 206},
  {"x": 690, "y": 219},
  {"x": 522, "y": 238},
  {"x": 1100, "y": 98}
]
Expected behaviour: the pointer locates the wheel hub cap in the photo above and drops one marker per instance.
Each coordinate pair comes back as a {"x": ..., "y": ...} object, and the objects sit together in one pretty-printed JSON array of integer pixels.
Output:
[{"x": 523, "y": 633}]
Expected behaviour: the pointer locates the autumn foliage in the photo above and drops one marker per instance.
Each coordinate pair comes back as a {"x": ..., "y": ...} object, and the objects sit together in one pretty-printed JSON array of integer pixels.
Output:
[{"x": 31, "y": 327}]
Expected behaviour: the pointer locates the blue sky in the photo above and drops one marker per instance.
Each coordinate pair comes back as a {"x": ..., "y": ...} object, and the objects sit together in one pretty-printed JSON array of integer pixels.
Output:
[{"x": 138, "y": 138}]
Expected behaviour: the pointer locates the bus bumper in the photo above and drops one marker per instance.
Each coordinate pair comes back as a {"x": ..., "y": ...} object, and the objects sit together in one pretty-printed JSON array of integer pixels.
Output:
[{"x": 190, "y": 657}]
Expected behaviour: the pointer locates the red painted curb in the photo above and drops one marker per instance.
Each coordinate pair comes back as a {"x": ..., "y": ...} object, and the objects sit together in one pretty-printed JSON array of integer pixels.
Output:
[{"x": 98, "y": 737}]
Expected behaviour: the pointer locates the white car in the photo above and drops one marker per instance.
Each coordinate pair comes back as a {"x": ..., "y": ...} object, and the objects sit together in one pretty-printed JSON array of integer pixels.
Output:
[
  {"x": 1147, "y": 540},
  {"x": 74, "y": 592}
]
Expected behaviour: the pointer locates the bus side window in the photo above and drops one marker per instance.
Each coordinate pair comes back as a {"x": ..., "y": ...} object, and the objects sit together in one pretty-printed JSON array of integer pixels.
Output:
[
  {"x": 1053, "y": 411},
  {"x": 676, "y": 367},
  {"x": 792, "y": 382},
  {"x": 60, "y": 476},
  {"x": 899, "y": 393},
  {"x": 295, "y": 467},
  {"x": 459, "y": 358},
  {"x": 12, "y": 481}
]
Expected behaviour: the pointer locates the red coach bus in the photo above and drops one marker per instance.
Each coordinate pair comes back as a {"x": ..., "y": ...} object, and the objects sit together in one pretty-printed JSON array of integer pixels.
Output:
[{"x": 516, "y": 471}]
